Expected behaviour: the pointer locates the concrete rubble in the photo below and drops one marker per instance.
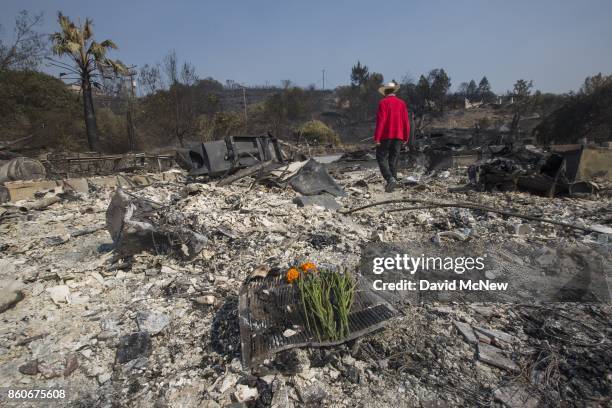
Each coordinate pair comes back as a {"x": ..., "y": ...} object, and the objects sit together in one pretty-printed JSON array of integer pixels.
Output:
[{"x": 142, "y": 307}]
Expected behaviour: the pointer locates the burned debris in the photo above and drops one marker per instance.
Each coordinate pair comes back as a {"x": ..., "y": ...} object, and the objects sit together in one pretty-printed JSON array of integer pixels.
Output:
[
  {"x": 529, "y": 169},
  {"x": 136, "y": 224},
  {"x": 174, "y": 286},
  {"x": 221, "y": 157},
  {"x": 313, "y": 179},
  {"x": 21, "y": 168}
]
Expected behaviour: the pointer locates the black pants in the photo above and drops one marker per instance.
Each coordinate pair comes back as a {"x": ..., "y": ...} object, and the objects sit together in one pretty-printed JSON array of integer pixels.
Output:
[{"x": 387, "y": 155}]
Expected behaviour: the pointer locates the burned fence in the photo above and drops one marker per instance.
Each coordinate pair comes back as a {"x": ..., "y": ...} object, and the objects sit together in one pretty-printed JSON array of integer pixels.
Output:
[{"x": 61, "y": 165}]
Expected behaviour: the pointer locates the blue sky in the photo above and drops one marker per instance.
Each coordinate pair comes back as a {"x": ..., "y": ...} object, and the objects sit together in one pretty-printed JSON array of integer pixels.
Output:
[{"x": 554, "y": 43}]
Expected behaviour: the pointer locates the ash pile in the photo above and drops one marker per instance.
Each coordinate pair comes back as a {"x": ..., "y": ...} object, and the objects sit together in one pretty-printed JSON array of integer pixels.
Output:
[{"x": 130, "y": 298}]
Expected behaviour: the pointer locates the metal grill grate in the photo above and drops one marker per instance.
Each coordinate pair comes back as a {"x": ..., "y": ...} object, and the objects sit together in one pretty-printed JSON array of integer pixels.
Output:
[{"x": 270, "y": 306}]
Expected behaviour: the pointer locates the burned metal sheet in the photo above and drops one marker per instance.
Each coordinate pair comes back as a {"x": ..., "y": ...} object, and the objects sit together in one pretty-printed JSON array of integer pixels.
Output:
[
  {"x": 586, "y": 162},
  {"x": 313, "y": 179},
  {"x": 448, "y": 159},
  {"x": 270, "y": 306},
  {"x": 223, "y": 156},
  {"x": 21, "y": 168}
]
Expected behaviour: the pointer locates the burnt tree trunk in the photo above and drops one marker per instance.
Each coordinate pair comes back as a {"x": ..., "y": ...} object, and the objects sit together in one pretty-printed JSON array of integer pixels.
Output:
[{"x": 90, "y": 117}]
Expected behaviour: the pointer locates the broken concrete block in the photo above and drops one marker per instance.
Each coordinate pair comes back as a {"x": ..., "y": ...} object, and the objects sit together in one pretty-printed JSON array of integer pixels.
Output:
[
  {"x": 79, "y": 185},
  {"x": 245, "y": 393},
  {"x": 133, "y": 346},
  {"x": 104, "y": 377},
  {"x": 466, "y": 331},
  {"x": 59, "y": 294},
  {"x": 496, "y": 334},
  {"x": 151, "y": 322},
  {"x": 9, "y": 298},
  {"x": 494, "y": 356},
  {"x": 137, "y": 224},
  {"x": 602, "y": 229},
  {"x": 322, "y": 200}
]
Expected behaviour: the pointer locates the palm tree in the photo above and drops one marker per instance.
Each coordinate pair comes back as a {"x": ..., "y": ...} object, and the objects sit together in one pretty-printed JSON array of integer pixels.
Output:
[{"x": 90, "y": 63}]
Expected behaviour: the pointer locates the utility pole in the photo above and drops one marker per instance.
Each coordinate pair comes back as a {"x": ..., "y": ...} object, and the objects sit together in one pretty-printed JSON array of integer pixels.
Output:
[
  {"x": 130, "y": 110},
  {"x": 246, "y": 119},
  {"x": 323, "y": 79}
]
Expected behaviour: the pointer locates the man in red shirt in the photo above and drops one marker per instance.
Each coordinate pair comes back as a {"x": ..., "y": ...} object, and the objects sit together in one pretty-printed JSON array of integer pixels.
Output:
[{"x": 392, "y": 129}]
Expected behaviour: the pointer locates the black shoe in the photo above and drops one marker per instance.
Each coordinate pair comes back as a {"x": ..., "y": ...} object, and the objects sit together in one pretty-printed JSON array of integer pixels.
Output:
[{"x": 391, "y": 184}]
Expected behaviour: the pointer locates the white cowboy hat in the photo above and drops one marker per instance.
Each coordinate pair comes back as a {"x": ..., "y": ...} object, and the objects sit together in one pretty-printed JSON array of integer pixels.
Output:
[{"x": 391, "y": 85}]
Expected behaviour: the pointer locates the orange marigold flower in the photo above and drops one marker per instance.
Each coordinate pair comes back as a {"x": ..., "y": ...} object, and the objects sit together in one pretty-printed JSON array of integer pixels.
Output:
[
  {"x": 292, "y": 274},
  {"x": 308, "y": 266}
]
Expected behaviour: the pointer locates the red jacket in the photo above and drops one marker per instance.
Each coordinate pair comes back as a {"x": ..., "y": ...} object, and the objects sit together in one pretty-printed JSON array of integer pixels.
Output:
[{"x": 392, "y": 120}]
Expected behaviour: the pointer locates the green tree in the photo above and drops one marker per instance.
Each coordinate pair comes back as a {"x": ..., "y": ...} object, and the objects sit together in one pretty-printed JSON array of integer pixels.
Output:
[
  {"x": 440, "y": 83},
  {"x": 484, "y": 90},
  {"x": 318, "y": 133},
  {"x": 89, "y": 64},
  {"x": 521, "y": 97},
  {"x": 36, "y": 104},
  {"x": 183, "y": 113},
  {"x": 369, "y": 95},
  {"x": 149, "y": 79},
  {"x": 423, "y": 93},
  {"x": 360, "y": 99},
  {"x": 359, "y": 74},
  {"x": 586, "y": 114},
  {"x": 472, "y": 90},
  {"x": 423, "y": 89},
  {"x": 226, "y": 124},
  {"x": 595, "y": 82},
  {"x": 177, "y": 104},
  {"x": 288, "y": 105},
  {"x": 27, "y": 48}
]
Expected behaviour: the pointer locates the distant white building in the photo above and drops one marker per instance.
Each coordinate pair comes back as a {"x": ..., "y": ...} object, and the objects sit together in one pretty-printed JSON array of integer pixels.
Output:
[
  {"x": 507, "y": 99},
  {"x": 471, "y": 105}
]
